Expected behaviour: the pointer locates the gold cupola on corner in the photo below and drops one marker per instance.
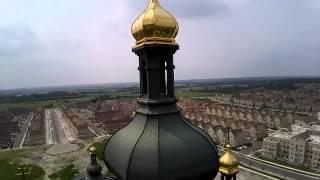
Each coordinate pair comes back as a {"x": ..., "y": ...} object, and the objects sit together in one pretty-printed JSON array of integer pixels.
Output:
[
  {"x": 228, "y": 164},
  {"x": 155, "y": 26}
]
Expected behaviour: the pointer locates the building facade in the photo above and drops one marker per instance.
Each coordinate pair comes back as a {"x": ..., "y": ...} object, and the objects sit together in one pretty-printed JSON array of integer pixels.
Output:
[{"x": 299, "y": 146}]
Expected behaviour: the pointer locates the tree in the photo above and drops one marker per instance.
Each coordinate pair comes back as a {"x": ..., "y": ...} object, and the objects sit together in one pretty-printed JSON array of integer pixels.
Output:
[{"x": 94, "y": 100}]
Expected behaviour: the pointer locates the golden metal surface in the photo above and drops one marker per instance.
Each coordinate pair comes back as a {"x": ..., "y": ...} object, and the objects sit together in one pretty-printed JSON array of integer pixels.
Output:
[
  {"x": 228, "y": 163},
  {"x": 155, "y": 25},
  {"x": 93, "y": 149}
]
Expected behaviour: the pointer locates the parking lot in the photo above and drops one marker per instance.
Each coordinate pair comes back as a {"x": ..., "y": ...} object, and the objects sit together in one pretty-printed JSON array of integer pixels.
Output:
[{"x": 253, "y": 146}]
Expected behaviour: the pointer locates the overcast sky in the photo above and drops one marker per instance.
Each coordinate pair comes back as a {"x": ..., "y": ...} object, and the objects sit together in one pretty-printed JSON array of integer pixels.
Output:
[{"x": 61, "y": 42}]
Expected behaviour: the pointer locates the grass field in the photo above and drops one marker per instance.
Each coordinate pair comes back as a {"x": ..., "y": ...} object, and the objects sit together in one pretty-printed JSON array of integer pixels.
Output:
[
  {"x": 66, "y": 173},
  {"x": 188, "y": 93},
  {"x": 9, "y": 164},
  {"x": 38, "y": 104},
  {"x": 35, "y": 104},
  {"x": 59, "y": 102},
  {"x": 100, "y": 147}
]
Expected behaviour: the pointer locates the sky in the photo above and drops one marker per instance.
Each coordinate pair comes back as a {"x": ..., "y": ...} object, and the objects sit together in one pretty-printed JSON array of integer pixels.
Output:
[{"x": 67, "y": 42}]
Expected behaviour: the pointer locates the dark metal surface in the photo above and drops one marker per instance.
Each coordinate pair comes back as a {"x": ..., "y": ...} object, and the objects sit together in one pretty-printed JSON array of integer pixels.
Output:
[
  {"x": 161, "y": 147},
  {"x": 159, "y": 143}
]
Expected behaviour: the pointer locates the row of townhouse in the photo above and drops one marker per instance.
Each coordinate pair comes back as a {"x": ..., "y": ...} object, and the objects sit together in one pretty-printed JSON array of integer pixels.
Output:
[
  {"x": 272, "y": 118},
  {"x": 219, "y": 134},
  {"x": 8, "y": 133},
  {"x": 253, "y": 130},
  {"x": 113, "y": 115},
  {"x": 304, "y": 105},
  {"x": 77, "y": 123},
  {"x": 36, "y": 133},
  {"x": 11, "y": 122}
]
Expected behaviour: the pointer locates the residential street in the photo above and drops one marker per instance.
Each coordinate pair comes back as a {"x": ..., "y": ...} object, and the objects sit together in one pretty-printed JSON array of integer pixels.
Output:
[
  {"x": 23, "y": 133},
  {"x": 54, "y": 130}
]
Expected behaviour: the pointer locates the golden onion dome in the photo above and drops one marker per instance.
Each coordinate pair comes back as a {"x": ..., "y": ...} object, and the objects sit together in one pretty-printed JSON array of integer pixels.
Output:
[
  {"x": 155, "y": 25},
  {"x": 93, "y": 149},
  {"x": 228, "y": 163}
]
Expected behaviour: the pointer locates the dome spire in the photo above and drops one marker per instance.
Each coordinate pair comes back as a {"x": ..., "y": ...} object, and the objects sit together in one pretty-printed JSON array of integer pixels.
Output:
[
  {"x": 155, "y": 26},
  {"x": 154, "y": 144},
  {"x": 228, "y": 163},
  {"x": 94, "y": 168},
  {"x": 155, "y": 2}
]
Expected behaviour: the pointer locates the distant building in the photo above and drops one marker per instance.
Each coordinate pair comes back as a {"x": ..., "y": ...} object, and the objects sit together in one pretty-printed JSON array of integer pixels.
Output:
[
  {"x": 237, "y": 137},
  {"x": 36, "y": 133},
  {"x": 114, "y": 114},
  {"x": 251, "y": 122},
  {"x": 257, "y": 131},
  {"x": 78, "y": 124},
  {"x": 8, "y": 133},
  {"x": 305, "y": 119},
  {"x": 299, "y": 146}
]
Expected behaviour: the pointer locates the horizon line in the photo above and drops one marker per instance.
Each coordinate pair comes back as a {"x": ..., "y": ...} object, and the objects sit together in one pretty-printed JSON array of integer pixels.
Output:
[{"x": 134, "y": 82}]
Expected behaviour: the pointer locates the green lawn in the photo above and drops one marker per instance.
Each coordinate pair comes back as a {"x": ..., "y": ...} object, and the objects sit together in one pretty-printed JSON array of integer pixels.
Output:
[
  {"x": 193, "y": 94},
  {"x": 126, "y": 93},
  {"x": 66, "y": 173},
  {"x": 31, "y": 104},
  {"x": 9, "y": 164},
  {"x": 59, "y": 102},
  {"x": 100, "y": 147}
]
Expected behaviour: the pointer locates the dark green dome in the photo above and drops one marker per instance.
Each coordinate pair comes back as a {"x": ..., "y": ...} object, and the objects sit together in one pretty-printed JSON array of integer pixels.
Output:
[{"x": 161, "y": 147}]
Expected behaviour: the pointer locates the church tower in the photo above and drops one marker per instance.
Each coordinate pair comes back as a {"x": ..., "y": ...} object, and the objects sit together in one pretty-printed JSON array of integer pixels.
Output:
[{"x": 159, "y": 143}]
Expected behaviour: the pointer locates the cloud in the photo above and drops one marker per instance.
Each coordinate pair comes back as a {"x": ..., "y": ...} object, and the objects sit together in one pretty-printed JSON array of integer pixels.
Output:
[
  {"x": 197, "y": 9},
  {"x": 80, "y": 41},
  {"x": 189, "y": 8},
  {"x": 17, "y": 41}
]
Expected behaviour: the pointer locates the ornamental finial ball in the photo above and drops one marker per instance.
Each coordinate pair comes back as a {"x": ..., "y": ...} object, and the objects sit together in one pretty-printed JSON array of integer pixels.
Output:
[
  {"x": 155, "y": 25},
  {"x": 228, "y": 163},
  {"x": 92, "y": 149}
]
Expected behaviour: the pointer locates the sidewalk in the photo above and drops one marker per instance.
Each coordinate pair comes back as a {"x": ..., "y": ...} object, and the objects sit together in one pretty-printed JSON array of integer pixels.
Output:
[
  {"x": 259, "y": 173},
  {"x": 285, "y": 167}
]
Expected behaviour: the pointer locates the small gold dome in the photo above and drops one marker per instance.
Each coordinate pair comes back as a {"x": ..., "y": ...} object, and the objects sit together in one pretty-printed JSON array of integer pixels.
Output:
[
  {"x": 155, "y": 25},
  {"x": 92, "y": 149},
  {"x": 228, "y": 163}
]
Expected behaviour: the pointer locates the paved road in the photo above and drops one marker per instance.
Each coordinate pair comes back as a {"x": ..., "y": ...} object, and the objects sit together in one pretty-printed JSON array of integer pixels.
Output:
[
  {"x": 54, "y": 125},
  {"x": 270, "y": 169},
  {"x": 95, "y": 130},
  {"x": 48, "y": 128},
  {"x": 23, "y": 133}
]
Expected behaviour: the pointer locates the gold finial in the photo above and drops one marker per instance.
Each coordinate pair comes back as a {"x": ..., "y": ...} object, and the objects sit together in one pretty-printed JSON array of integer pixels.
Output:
[
  {"x": 93, "y": 149},
  {"x": 155, "y": 26},
  {"x": 154, "y": 2},
  {"x": 228, "y": 163}
]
